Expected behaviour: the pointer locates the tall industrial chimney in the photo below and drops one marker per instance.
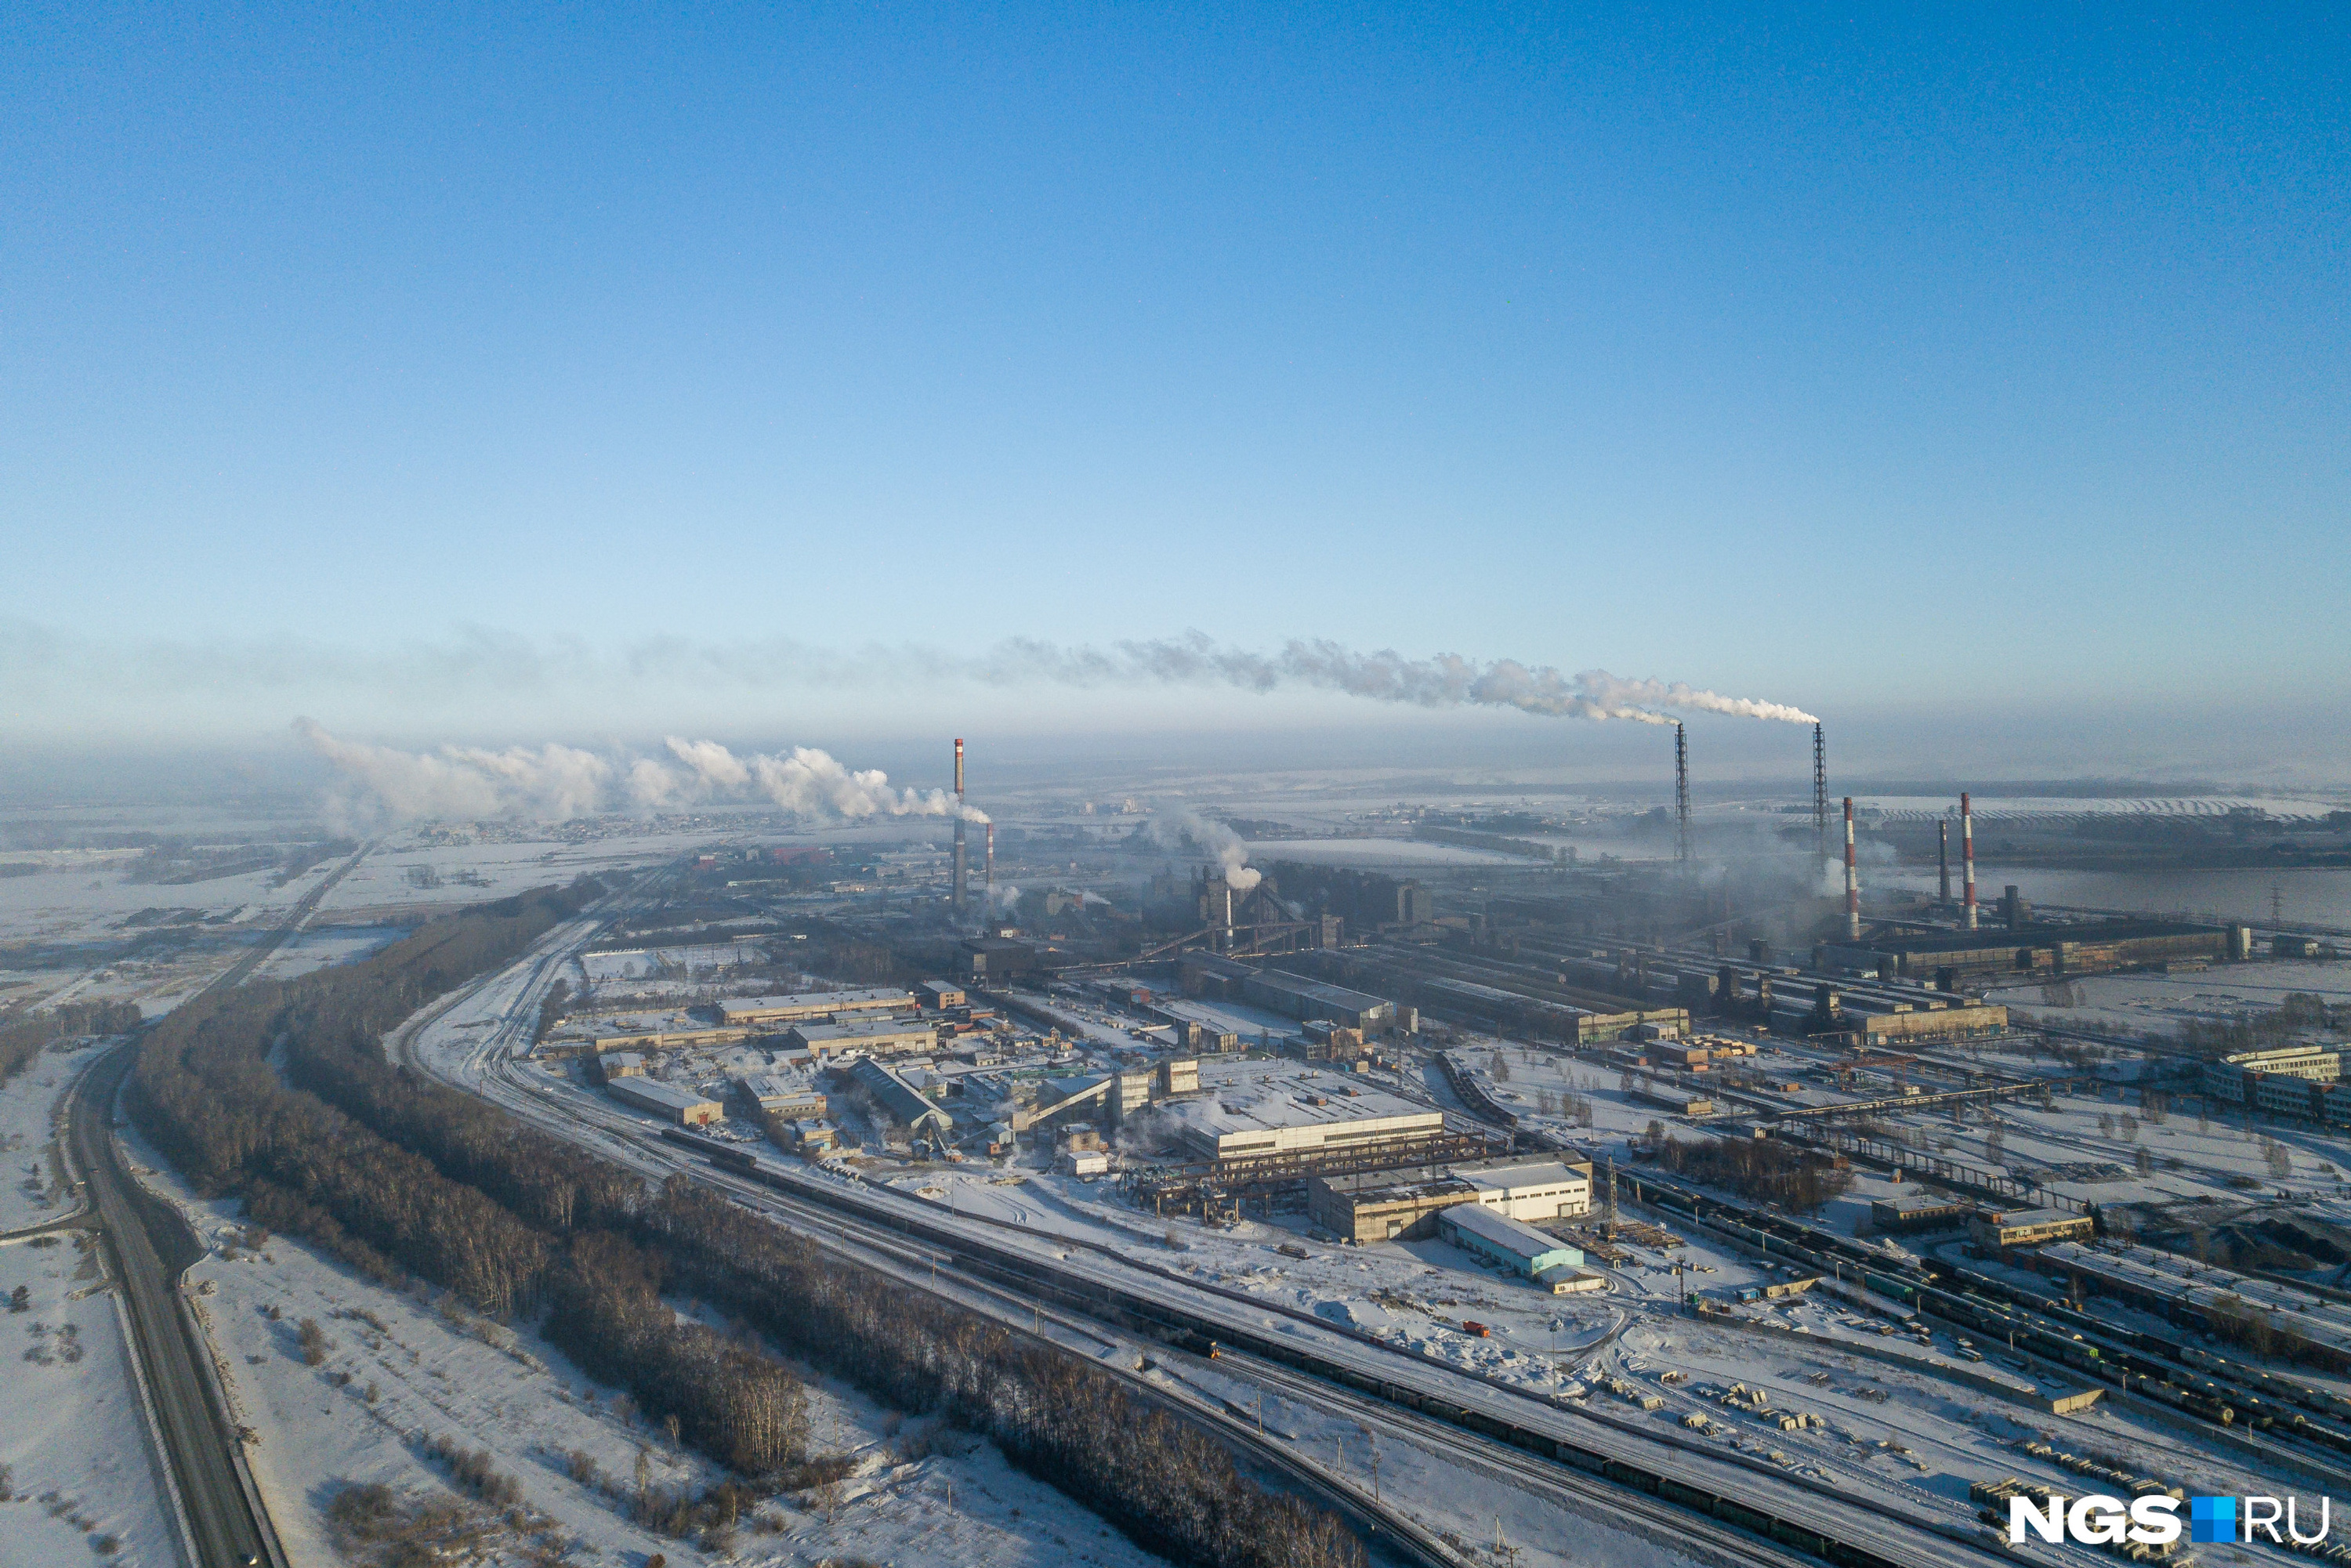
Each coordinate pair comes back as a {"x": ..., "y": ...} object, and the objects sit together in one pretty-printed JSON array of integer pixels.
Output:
[
  {"x": 1852, "y": 880},
  {"x": 1943, "y": 863},
  {"x": 1968, "y": 856},
  {"x": 961, "y": 875},
  {"x": 991, "y": 858},
  {"x": 1681, "y": 795},
  {"x": 1819, "y": 794}
]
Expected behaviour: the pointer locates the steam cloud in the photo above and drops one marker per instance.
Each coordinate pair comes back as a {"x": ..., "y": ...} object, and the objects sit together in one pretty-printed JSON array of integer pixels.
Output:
[
  {"x": 1180, "y": 826},
  {"x": 560, "y": 782}
]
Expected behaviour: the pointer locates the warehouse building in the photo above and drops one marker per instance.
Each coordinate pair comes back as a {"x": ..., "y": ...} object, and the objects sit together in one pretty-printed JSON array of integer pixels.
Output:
[
  {"x": 898, "y": 1099},
  {"x": 1997, "y": 1230},
  {"x": 941, "y": 994},
  {"x": 1928, "y": 1212},
  {"x": 686, "y": 1107},
  {"x": 1681, "y": 1103},
  {"x": 1375, "y": 1206},
  {"x": 614, "y": 1064},
  {"x": 1251, "y": 1109},
  {"x": 1995, "y": 951},
  {"x": 1295, "y": 995},
  {"x": 807, "y": 1007},
  {"x": 780, "y": 1097},
  {"x": 1507, "y": 1243},
  {"x": 874, "y": 1036}
]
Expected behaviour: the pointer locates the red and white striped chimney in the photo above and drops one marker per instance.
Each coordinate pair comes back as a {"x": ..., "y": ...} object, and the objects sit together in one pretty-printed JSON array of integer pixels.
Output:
[
  {"x": 1968, "y": 856},
  {"x": 1852, "y": 880}
]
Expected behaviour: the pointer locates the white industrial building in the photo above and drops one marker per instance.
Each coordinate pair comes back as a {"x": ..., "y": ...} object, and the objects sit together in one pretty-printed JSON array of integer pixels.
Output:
[
  {"x": 1250, "y": 1109},
  {"x": 686, "y": 1107},
  {"x": 1555, "y": 1191},
  {"x": 808, "y": 1006},
  {"x": 874, "y": 1036}
]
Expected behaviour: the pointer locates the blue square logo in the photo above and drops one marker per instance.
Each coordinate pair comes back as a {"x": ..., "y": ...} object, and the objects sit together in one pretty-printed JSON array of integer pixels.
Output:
[{"x": 2211, "y": 1519}]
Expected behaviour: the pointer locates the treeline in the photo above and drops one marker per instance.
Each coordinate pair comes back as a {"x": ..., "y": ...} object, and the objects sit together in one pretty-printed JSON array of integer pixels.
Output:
[
  {"x": 23, "y": 1036},
  {"x": 1758, "y": 1168},
  {"x": 395, "y": 1173}
]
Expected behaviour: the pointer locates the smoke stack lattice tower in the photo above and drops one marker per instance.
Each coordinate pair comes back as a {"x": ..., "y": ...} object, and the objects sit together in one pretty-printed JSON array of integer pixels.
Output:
[
  {"x": 1968, "y": 856},
  {"x": 961, "y": 873},
  {"x": 1681, "y": 795},
  {"x": 1852, "y": 880},
  {"x": 1820, "y": 793}
]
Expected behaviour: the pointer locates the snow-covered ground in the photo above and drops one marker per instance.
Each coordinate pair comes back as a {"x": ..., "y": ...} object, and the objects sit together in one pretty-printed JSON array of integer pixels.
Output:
[
  {"x": 401, "y": 1365},
  {"x": 73, "y": 1431},
  {"x": 30, "y": 1193},
  {"x": 2161, "y": 1003}
]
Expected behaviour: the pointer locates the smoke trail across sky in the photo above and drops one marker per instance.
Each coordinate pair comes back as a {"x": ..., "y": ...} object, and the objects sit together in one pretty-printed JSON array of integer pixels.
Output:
[
  {"x": 560, "y": 782},
  {"x": 72, "y": 678},
  {"x": 1447, "y": 680}
]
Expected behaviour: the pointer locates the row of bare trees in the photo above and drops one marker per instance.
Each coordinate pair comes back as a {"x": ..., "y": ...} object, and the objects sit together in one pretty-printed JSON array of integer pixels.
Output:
[
  {"x": 23, "y": 1037},
  {"x": 1758, "y": 1168},
  {"x": 397, "y": 1174}
]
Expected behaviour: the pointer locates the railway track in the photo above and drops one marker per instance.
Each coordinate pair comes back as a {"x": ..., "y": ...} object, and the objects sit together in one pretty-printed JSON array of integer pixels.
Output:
[{"x": 1670, "y": 1485}]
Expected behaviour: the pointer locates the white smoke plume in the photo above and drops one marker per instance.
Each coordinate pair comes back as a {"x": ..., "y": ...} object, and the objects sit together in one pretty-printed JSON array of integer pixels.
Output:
[
  {"x": 1448, "y": 680},
  {"x": 1180, "y": 826},
  {"x": 561, "y": 782}
]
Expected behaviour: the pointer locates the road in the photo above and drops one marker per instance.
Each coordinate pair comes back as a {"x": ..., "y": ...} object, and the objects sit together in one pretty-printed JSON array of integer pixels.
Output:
[
  {"x": 150, "y": 1247},
  {"x": 1110, "y": 1289}
]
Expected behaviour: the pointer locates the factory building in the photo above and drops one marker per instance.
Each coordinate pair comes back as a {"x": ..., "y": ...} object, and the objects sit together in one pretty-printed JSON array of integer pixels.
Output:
[
  {"x": 1681, "y": 1103},
  {"x": 1295, "y": 995},
  {"x": 941, "y": 994},
  {"x": 614, "y": 1064},
  {"x": 809, "y": 1005},
  {"x": 2241, "y": 1079},
  {"x": 875, "y": 1036},
  {"x": 780, "y": 1097},
  {"x": 686, "y": 1107},
  {"x": 1998, "y": 1229},
  {"x": 2185, "y": 1291},
  {"x": 1508, "y": 1243},
  {"x": 899, "y": 1100},
  {"x": 1376, "y": 1206},
  {"x": 1931, "y": 1212},
  {"x": 1250, "y": 1110},
  {"x": 2032, "y": 950}
]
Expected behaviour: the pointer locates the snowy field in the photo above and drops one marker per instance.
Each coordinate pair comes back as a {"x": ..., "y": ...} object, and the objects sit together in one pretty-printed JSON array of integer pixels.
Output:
[
  {"x": 72, "y": 1430},
  {"x": 2161, "y": 1003},
  {"x": 400, "y": 1364},
  {"x": 28, "y": 1102}
]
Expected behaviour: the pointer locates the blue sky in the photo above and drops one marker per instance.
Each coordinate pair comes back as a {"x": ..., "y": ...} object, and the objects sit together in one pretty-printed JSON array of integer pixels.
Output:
[{"x": 1894, "y": 362}]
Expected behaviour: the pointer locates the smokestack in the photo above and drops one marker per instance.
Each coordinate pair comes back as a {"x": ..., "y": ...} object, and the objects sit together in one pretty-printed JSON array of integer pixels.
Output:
[
  {"x": 1852, "y": 880},
  {"x": 1681, "y": 795},
  {"x": 962, "y": 874},
  {"x": 1943, "y": 863},
  {"x": 1819, "y": 794},
  {"x": 991, "y": 857},
  {"x": 1967, "y": 855}
]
